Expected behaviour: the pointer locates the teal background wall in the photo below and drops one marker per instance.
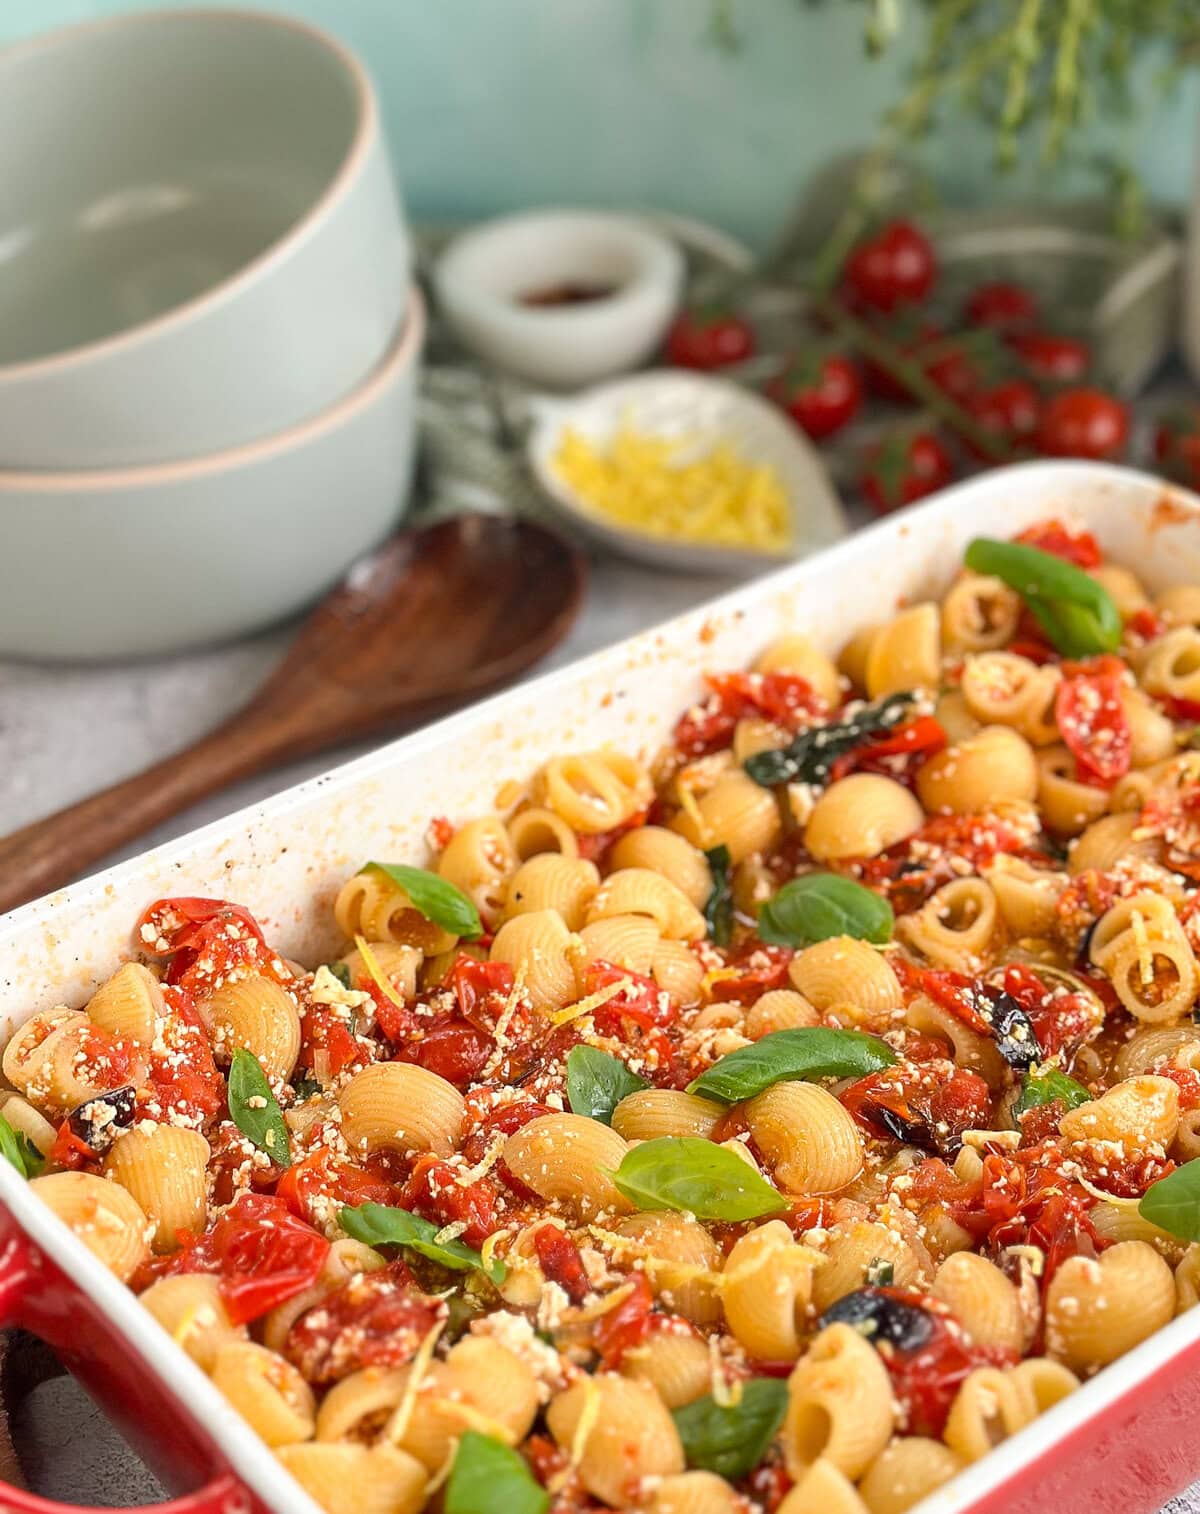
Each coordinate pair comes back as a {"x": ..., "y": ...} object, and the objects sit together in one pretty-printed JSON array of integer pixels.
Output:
[{"x": 498, "y": 103}]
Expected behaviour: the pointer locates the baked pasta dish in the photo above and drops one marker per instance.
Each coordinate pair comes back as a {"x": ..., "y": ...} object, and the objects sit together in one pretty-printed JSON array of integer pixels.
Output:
[{"x": 775, "y": 1122}]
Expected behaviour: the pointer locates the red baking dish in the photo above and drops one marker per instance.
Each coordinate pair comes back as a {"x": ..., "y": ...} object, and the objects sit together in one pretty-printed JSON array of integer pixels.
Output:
[{"x": 1122, "y": 1443}]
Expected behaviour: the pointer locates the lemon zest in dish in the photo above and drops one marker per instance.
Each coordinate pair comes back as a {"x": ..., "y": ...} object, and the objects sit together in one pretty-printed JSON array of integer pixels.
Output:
[{"x": 678, "y": 487}]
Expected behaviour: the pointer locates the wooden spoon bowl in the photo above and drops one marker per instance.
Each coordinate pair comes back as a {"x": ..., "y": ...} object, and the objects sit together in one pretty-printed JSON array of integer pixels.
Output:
[{"x": 433, "y": 618}]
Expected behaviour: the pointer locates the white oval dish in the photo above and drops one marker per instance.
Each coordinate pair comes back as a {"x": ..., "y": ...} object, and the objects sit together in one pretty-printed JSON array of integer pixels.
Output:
[
  {"x": 200, "y": 239},
  {"x": 669, "y": 402},
  {"x": 144, "y": 561},
  {"x": 482, "y": 275}
]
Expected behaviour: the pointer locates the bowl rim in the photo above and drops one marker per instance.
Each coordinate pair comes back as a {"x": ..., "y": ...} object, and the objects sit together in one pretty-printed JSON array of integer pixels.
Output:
[
  {"x": 366, "y": 130},
  {"x": 403, "y": 352},
  {"x": 660, "y": 271}
]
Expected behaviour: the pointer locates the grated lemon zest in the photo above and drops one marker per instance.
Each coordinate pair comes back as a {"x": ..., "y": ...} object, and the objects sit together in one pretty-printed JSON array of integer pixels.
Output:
[
  {"x": 1007, "y": 1140},
  {"x": 450, "y": 1232},
  {"x": 473, "y": 1418},
  {"x": 682, "y": 1272},
  {"x": 187, "y": 1323},
  {"x": 600, "y": 1306},
  {"x": 592, "y": 1001},
  {"x": 488, "y": 1250},
  {"x": 443, "y": 1472},
  {"x": 687, "y": 803},
  {"x": 485, "y": 1164},
  {"x": 1120, "y": 1200},
  {"x": 397, "y": 1425},
  {"x": 375, "y": 972}
]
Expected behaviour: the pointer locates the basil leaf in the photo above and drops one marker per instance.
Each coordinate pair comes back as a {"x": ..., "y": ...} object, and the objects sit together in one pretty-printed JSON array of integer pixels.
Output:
[
  {"x": 19, "y": 1150},
  {"x": 821, "y": 905},
  {"x": 785, "y": 1055},
  {"x": 341, "y": 972},
  {"x": 597, "y": 1082},
  {"x": 1078, "y": 614},
  {"x": 488, "y": 1475},
  {"x": 719, "y": 909},
  {"x": 383, "y": 1225},
  {"x": 730, "y": 1440},
  {"x": 879, "y": 1273},
  {"x": 434, "y": 897},
  {"x": 1173, "y": 1203},
  {"x": 1048, "y": 1086},
  {"x": 688, "y": 1173},
  {"x": 811, "y": 753},
  {"x": 255, "y": 1110}
]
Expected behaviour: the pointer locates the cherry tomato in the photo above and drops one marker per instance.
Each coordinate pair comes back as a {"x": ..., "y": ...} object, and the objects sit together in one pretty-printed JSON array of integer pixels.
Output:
[
  {"x": 896, "y": 267},
  {"x": 560, "y": 1261},
  {"x": 322, "y": 1175},
  {"x": 918, "y": 738},
  {"x": 1007, "y": 411},
  {"x": 631, "y": 1323},
  {"x": 1083, "y": 423},
  {"x": 821, "y": 396},
  {"x": 1052, "y": 359},
  {"x": 928, "y": 1105},
  {"x": 926, "y": 1379},
  {"x": 374, "y": 1320},
  {"x": 1177, "y": 448},
  {"x": 1060, "y": 1021},
  {"x": 641, "y": 1000},
  {"x": 183, "y": 1076},
  {"x": 473, "y": 982},
  {"x": 1090, "y": 714},
  {"x": 949, "y": 367},
  {"x": 758, "y": 970},
  {"x": 434, "y": 1192},
  {"x": 941, "y": 358},
  {"x": 705, "y": 340},
  {"x": 784, "y": 698},
  {"x": 70, "y": 1151},
  {"x": 903, "y": 469},
  {"x": 1070, "y": 543},
  {"x": 1003, "y": 306},
  {"x": 262, "y": 1255},
  {"x": 452, "y": 1048}
]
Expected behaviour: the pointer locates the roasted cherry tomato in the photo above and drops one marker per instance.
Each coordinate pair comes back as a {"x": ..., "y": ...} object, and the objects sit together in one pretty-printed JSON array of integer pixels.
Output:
[
  {"x": 558, "y": 1257},
  {"x": 705, "y": 340},
  {"x": 1071, "y": 543},
  {"x": 321, "y": 1175},
  {"x": 903, "y": 469},
  {"x": 1177, "y": 447},
  {"x": 1052, "y": 359},
  {"x": 1007, "y": 411},
  {"x": 1090, "y": 713},
  {"x": 787, "y": 699},
  {"x": 894, "y": 268},
  {"x": 1003, "y": 306},
  {"x": 375, "y": 1320},
  {"x": 261, "y": 1253},
  {"x": 915, "y": 740},
  {"x": 1083, "y": 423},
  {"x": 821, "y": 395},
  {"x": 1061, "y": 1021},
  {"x": 434, "y": 1192},
  {"x": 928, "y": 1104}
]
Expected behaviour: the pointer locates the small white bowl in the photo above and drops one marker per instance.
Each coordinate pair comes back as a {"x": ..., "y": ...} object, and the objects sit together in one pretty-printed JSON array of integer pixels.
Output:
[
  {"x": 672, "y": 403},
  {"x": 484, "y": 274},
  {"x": 144, "y": 561},
  {"x": 200, "y": 239}
]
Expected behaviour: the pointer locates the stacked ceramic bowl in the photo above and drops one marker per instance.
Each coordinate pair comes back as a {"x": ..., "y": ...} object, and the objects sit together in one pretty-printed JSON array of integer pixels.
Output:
[{"x": 209, "y": 336}]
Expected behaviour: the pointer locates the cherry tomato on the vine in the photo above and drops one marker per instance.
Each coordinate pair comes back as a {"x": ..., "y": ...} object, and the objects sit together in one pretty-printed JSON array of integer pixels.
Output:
[
  {"x": 1177, "y": 447},
  {"x": 1083, "y": 423},
  {"x": 896, "y": 267},
  {"x": 1002, "y": 305},
  {"x": 901, "y": 469},
  {"x": 705, "y": 340},
  {"x": 1051, "y": 359},
  {"x": 1007, "y": 411},
  {"x": 821, "y": 395}
]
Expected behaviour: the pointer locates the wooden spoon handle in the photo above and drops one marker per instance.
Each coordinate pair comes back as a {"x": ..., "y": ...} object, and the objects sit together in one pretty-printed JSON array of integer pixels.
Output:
[{"x": 50, "y": 852}]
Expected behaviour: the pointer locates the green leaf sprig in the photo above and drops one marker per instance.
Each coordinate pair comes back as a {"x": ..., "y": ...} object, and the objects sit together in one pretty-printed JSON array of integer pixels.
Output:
[
  {"x": 811, "y": 753},
  {"x": 821, "y": 905},
  {"x": 1173, "y": 1203},
  {"x": 434, "y": 897},
  {"x": 488, "y": 1475},
  {"x": 20, "y": 1151},
  {"x": 386, "y": 1225},
  {"x": 1045, "y": 1087},
  {"x": 718, "y": 912},
  {"x": 787, "y": 1055},
  {"x": 597, "y": 1082},
  {"x": 1078, "y": 615},
  {"x": 688, "y": 1173},
  {"x": 730, "y": 1439},
  {"x": 255, "y": 1110}
]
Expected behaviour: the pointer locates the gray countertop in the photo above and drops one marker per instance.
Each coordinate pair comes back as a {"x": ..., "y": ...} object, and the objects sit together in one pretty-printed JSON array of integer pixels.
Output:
[{"x": 67, "y": 731}]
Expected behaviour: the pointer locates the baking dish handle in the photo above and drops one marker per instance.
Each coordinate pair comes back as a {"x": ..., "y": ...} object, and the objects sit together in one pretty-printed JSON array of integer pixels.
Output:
[{"x": 25, "y": 1284}]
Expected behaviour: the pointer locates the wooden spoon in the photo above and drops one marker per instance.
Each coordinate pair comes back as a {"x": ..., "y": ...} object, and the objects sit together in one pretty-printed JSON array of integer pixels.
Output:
[{"x": 433, "y": 618}]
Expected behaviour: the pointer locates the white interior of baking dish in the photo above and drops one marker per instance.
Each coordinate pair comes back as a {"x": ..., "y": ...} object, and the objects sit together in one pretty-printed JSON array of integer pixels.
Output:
[{"x": 286, "y": 858}]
